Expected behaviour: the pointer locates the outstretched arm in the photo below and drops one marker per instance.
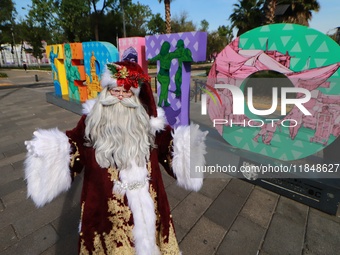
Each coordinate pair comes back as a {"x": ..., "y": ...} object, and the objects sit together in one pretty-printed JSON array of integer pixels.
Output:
[
  {"x": 49, "y": 165},
  {"x": 180, "y": 151}
]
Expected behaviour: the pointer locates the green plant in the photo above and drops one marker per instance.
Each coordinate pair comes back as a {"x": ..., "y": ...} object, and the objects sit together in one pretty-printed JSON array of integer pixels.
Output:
[{"x": 3, "y": 75}]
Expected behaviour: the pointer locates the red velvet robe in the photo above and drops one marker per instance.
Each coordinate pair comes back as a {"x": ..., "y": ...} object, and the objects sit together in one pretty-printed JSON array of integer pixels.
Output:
[{"x": 106, "y": 219}]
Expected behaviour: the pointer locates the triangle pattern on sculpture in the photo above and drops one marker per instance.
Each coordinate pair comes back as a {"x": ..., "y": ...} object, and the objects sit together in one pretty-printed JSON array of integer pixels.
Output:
[
  {"x": 283, "y": 156},
  {"x": 276, "y": 138},
  {"x": 274, "y": 149},
  {"x": 323, "y": 48},
  {"x": 320, "y": 61},
  {"x": 298, "y": 144},
  {"x": 288, "y": 27},
  {"x": 264, "y": 151},
  {"x": 252, "y": 46},
  {"x": 246, "y": 147},
  {"x": 285, "y": 40},
  {"x": 243, "y": 42},
  {"x": 238, "y": 139},
  {"x": 294, "y": 62},
  {"x": 296, "y": 154},
  {"x": 265, "y": 29},
  {"x": 310, "y": 39},
  {"x": 296, "y": 48},
  {"x": 263, "y": 41},
  {"x": 272, "y": 47}
]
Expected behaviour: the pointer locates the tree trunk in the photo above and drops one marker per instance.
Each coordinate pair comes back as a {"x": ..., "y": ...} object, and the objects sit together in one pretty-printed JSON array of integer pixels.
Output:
[
  {"x": 96, "y": 33},
  {"x": 96, "y": 29},
  {"x": 270, "y": 15},
  {"x": 167, "y": 16}
]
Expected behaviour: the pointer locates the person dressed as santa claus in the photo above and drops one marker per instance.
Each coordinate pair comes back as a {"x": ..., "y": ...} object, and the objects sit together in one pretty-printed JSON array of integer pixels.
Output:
[{"x": 118, "y": 144}]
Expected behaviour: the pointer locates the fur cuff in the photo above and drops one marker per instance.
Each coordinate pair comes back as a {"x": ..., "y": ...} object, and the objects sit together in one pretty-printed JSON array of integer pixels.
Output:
[
  {"x": 158, "y": 123},
  {"x": 88, "y": 105},
  {"x": 189, "y": 146},
  {"x": 46, "y": 166}
]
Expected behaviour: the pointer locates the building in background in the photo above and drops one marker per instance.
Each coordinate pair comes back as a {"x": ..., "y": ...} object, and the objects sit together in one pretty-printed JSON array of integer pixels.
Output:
[{"x": 20, "y": 54}]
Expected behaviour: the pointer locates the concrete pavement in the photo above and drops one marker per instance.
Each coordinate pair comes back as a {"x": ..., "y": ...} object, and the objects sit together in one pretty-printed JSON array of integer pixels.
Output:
[
  {"x": 18, "y": 77},
  {"x": 228, "y": 216}
]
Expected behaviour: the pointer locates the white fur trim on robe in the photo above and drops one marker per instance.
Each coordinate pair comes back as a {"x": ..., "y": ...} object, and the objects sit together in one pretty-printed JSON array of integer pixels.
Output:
[
  {"x": 46, "y": 166},
  {"x": 88, "y": 105},
  {"x": 158, "y": 123},
  {"x": 188, "y": 146},
  {"x": 142, "y": 208}
]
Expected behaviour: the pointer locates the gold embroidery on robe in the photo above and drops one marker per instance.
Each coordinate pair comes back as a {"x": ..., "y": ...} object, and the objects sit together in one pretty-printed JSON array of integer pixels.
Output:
[
  {"x": 83, "y": 250},
  {"x": 97, "y": 244},
  {"x": 171, "y": 246},
  {"x": 120, "y": 239},
  {"x": 75, "y": 155}
]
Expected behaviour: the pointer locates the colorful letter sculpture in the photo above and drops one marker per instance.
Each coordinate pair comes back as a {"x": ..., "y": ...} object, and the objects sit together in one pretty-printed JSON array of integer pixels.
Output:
[
  {"x": 56, "y": 55},
  {"x": 75, "y": 73},
  {"x": 133, "y": 49},
  {"x": 96, "y": 55},
  {"x": 308, "y": 59},
  {"x": 174, "y": 54},
  {"x": 76, "y": 68}
]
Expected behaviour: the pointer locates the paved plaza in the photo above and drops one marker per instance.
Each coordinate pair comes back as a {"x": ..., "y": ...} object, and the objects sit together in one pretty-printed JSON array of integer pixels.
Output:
[{"x": 228, "y": 216}]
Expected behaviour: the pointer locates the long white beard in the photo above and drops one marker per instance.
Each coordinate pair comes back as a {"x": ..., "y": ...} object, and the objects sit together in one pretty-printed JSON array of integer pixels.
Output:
[{"x": 119, "y": 131}]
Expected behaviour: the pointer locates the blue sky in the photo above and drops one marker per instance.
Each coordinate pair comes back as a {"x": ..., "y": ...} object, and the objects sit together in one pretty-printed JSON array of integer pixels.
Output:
[{"x": 217, "y": 12}]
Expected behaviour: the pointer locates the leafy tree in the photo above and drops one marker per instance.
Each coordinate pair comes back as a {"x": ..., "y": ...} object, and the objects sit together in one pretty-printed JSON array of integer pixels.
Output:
[
  {"x": 74, "y": 19},
  {"x": 334, "y": 34},
  {"x": 156, "y": 25},
  {"x": 20, "y": 37},
  {"x": 137, "y": 17},
  {"x": 7, "y": 25},
  {"x": 247, "y": 15},
  {"x": 167, "y": 15},
  {"x": 182, "y": 24},
  {"x": 218, "y": 40},
  {"x": 43, "y": 16},
  {"x": 7, "y": 15},
  {"x": 225, "y": 31},
  {"x": 300, "y": 11},
  {"x": 269, "y": 9},
  {"x": 98, "y": 14},
  {"x": 40, "y": 24},
  {"x": 34, "y": 35},
  {"x": 110, "y": 27},
  {"x": 204, "y": 26}
]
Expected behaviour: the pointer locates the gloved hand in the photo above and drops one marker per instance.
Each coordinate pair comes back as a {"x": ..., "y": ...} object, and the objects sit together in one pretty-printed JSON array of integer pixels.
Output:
[
  {"x": 40, "y": 144},
  {"x": 31, "y": 145}
]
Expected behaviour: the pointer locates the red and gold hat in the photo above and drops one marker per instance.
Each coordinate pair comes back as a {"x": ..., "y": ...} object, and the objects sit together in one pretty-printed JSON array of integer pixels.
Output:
[
  {"x": 130, "y": 75},
  {"x": 124, "y": 74}
]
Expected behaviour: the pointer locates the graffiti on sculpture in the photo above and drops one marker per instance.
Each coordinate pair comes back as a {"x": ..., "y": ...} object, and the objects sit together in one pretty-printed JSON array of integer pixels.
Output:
[
  {"x": 133, "y": 49},
  {"x": 174, "y": 54},
  {"x": 76, "y": 68},
  {"x": 307, "y": 61}
]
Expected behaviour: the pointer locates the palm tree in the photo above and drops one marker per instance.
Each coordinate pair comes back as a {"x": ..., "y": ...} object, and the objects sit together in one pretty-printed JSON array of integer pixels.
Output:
[
  {"x": 167, "y": 15},
  {"x": 247, "y": 15},
  {"x": 298, "y": 11},
  {"x": 269, "y": 9},
  {"x": 302, "y": 11}
]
